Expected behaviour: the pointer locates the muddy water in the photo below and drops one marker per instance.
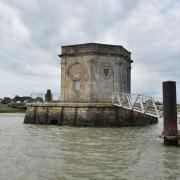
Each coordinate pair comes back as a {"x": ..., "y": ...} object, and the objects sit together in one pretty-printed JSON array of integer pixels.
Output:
[{"x": 35, "y": 152}]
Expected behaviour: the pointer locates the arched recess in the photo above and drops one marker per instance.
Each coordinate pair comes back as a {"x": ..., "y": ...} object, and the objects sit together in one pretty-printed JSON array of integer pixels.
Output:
[
  {"x": 53, "y": 122},
  {"x": 77, "y": 71}
]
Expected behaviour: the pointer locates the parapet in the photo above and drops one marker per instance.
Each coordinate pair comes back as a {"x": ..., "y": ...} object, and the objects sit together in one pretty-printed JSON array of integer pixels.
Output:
[{"x": 95, "y": 48}]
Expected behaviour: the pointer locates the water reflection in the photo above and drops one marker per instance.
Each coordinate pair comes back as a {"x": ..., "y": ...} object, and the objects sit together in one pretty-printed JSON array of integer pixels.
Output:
[{"x": 53, "y": 152}]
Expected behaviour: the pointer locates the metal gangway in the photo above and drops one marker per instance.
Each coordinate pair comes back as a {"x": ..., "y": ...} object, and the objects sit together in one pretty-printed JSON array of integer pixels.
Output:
[{"x": 140, "y": 103}]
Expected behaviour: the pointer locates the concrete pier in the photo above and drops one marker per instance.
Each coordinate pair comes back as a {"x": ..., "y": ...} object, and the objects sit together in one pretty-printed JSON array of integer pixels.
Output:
[
  {"x": 85, "y": 114},
  {"x": 170, "y": 113}
]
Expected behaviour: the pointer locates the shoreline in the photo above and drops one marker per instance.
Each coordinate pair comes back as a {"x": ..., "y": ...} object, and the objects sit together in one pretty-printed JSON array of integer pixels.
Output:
[{"x": 5, "y": 109}]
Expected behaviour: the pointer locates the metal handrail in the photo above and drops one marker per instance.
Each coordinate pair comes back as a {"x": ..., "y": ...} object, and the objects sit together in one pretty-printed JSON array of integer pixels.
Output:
[{"x": 136, "y": 102}]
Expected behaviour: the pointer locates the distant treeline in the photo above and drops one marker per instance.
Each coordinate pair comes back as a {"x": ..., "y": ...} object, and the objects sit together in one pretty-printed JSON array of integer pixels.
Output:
[
  {"x": 20, "y": 99},
  {"x": 26, "y": 99}
]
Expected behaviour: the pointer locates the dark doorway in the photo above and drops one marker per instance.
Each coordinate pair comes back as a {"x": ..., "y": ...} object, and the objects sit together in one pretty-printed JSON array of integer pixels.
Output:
[{"x": 54, "y": 122}]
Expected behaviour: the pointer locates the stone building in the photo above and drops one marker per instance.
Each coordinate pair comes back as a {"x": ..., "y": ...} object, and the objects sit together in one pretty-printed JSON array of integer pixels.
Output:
[{"x": 92, "y": 72}]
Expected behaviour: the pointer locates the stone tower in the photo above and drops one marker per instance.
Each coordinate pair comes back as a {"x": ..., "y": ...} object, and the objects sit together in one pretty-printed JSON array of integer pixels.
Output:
[{"x": 92, "y": 72}]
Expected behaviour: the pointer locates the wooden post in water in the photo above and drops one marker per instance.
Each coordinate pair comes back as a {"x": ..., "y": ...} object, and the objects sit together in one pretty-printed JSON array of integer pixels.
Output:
[{"x": 170, "y": 113}]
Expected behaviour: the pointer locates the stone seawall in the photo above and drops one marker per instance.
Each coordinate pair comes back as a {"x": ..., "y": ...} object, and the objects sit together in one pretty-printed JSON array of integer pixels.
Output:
[{"x": 85, "y": 114}]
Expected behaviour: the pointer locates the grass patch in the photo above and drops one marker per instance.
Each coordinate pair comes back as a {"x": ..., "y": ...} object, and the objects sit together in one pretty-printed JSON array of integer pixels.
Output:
[{"x": 5, "y": 109}]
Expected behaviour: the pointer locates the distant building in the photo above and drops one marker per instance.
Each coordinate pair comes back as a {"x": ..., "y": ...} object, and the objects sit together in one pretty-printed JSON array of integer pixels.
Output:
[
  {"x": 1, "y": 100},
  {"x": 92, "y": 72}
]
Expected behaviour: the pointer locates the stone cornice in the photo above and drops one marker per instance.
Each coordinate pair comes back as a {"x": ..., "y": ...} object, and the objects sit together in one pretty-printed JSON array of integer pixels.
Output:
[
  {"x": 98, "y": 53},
  {"x": 95, "y": 48}
]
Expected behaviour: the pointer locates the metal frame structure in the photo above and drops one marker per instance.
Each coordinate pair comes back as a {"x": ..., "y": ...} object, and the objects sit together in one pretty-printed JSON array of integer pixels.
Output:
[{"x": 139, "y": 103}]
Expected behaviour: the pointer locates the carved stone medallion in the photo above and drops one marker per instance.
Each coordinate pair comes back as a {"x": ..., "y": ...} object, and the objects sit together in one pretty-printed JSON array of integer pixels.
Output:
[{"x": 106, "y": 69}]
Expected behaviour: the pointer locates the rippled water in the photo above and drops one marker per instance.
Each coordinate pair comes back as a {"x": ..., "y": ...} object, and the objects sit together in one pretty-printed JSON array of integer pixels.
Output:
[{"x": 30, "y": 152}]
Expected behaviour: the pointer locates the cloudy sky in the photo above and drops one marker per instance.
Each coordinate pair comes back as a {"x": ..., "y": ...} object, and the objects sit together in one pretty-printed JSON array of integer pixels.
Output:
[{"x": 32, "y": 32}]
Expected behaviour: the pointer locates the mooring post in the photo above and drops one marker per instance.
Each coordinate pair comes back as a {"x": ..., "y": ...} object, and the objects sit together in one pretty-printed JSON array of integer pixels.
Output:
[{"x": 170, "y": 113}]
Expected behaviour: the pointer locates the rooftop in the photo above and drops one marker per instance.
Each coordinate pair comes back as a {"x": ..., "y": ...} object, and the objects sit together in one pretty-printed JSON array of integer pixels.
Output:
[{"x": 95, "y": 48}]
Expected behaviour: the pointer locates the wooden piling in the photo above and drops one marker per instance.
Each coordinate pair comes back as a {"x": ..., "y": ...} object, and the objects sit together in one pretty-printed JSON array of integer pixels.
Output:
[{"x": 170, "y": 113}]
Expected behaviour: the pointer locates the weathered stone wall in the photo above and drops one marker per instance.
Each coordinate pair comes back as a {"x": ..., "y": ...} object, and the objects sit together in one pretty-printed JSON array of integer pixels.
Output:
[
  {"x": 97, "y": 48},
  {"x": 102, "y": 69},
  {"x": 102, "y": 115},
  {"x": 76, "y": 68},
  {"x": 116, "y": 79}
]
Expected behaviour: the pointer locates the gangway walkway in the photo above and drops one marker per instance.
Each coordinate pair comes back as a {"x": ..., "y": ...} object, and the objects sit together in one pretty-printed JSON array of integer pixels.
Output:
[{"x": 139, "y": 103}]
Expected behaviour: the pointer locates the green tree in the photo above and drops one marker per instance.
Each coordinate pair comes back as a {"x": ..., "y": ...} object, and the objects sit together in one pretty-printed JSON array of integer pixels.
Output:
[
  {"x": 48, "y": 95},
  {"x": 22, "y": 98},
  {"x": 17, "y": 98},
  {"x": 6, "y": 100}
]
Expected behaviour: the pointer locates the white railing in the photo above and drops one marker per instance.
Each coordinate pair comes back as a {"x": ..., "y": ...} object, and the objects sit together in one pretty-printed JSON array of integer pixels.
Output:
[{"x": 139, "y": 103}]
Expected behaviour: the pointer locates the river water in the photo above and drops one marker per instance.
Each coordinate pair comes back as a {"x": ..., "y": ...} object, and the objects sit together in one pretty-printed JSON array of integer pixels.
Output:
[{"x": 37, "y": 152}]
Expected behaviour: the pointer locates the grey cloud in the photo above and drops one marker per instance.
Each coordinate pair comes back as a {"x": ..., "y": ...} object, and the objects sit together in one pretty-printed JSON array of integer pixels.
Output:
[{"x": 150, "y": 29}]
